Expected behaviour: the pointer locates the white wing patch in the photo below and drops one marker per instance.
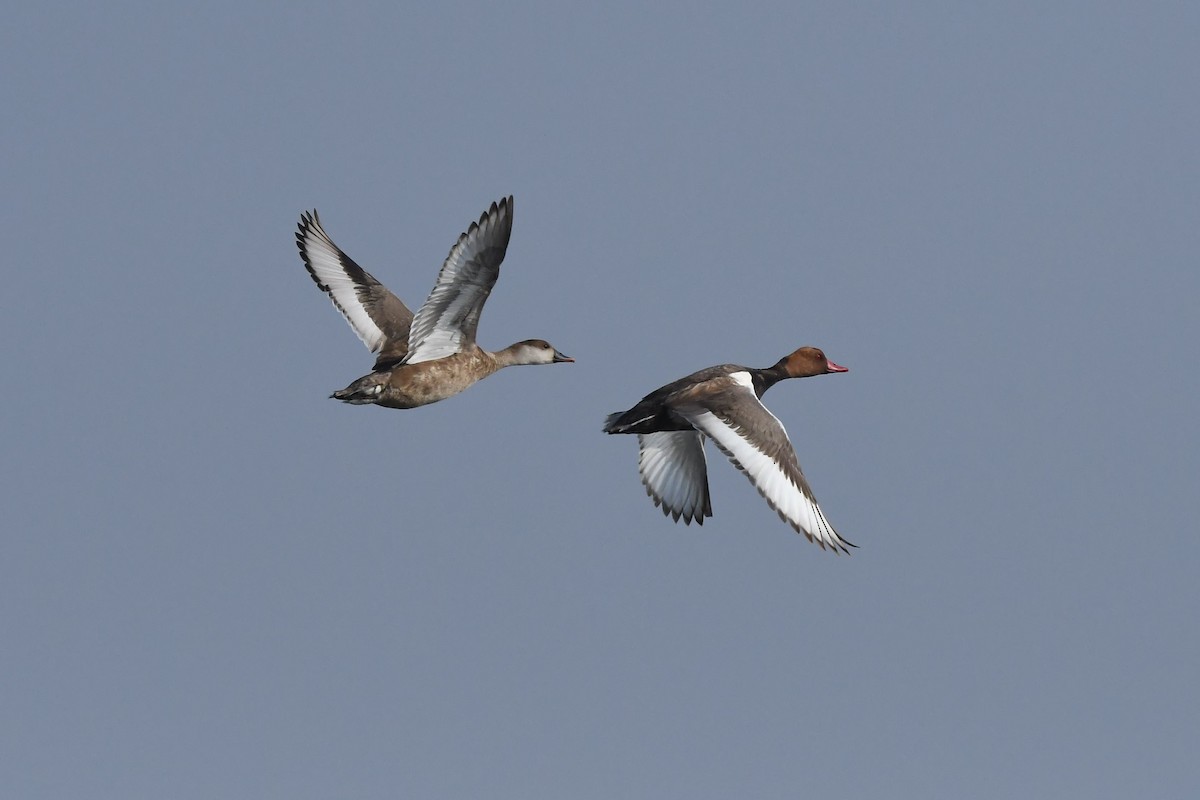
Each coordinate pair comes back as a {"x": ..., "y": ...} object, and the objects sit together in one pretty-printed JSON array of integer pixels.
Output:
[
  {"x": 325, "y": 260},
  {"x": 775, "y": 485},
  {"x": 453, "y": 304},
  {"x": 447, "y": 320},
  {"x": 439, "y": 344},
  {"x": 675, "y": 474}
]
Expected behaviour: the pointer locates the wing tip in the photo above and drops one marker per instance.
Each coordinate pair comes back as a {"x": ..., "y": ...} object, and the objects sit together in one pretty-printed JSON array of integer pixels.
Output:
[
  {"x": 687, "y": 515},
  {"x": 829, "y": 540}
]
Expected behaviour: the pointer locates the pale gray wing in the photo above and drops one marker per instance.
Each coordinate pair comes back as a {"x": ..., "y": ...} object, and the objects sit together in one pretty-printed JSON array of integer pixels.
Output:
[
  {"x": 756, "y": 442},
  {"x": 675, "y": 474},
  {"x": 447, "y": 321},
  {"x": 379, "y": 318}
]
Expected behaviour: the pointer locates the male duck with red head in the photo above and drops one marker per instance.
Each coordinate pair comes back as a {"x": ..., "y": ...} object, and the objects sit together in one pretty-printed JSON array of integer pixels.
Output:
[{"x": 724, "y": 403}]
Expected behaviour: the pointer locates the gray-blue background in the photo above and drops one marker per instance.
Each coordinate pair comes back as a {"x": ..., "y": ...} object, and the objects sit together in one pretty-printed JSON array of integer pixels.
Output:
[{"x": 215, "y": 582}]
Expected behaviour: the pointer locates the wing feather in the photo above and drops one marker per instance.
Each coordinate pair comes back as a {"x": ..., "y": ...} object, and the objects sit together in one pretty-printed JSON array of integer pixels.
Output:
[
  {"x": 377, "y": 316},
  {"x": 446, "y": 323},
  {"x": 757, "y": 444},
  {"x": 675, "y": 474}
]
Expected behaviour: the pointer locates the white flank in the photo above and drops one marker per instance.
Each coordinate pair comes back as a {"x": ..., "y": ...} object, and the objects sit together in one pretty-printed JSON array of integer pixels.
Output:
[
  {"x": 674, "y": 473},
  {"x": 325, "y": 259},
  {"x": 744, "y": 379}
]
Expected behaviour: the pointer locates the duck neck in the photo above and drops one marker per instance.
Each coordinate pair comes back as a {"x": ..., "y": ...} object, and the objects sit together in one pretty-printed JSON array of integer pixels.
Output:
[
  {"x": 766, "y": 378},
  {"x": 515, "y": 355}
]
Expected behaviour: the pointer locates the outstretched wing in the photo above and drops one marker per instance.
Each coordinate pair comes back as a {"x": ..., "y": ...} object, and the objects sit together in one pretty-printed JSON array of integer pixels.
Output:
[
  {"x": 379, "y": 318},
  {"x": 756, "y": 442},
  {"x": 447, "y": 321},
  {"x": 675, "y": 474}
]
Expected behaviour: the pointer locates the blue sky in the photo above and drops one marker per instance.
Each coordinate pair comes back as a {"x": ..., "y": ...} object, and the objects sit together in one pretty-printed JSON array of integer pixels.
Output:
[{"x": 219, "y": 583}]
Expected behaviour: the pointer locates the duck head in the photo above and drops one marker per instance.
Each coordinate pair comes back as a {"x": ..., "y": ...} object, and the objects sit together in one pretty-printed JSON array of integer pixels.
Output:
[{"x": 806, "y": 362}]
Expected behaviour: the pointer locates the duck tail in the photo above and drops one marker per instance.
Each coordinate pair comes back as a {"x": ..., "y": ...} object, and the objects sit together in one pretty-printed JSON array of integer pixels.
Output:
[
  {"x": 612, "y": 423},
  {"x": 363, "y": 391}
]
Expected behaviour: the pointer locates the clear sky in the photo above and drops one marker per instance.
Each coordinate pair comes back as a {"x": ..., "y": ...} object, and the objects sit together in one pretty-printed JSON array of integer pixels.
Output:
[{"x": 216, "y": 582}]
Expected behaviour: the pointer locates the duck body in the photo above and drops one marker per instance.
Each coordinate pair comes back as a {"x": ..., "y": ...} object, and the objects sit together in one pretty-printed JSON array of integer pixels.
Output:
[
  {"x": 657, "y": 412},
  {"x": 724, "y": 403},
  {"x": 429, "y": 356},
  {"x": 412, "y": 385}
]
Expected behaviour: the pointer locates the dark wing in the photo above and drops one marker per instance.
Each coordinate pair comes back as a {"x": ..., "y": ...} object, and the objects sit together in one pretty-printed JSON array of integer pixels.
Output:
[
  {"x": 379, "y": 318},
  {"x": 730, "y": 413},
  {"x": 445, "y": 324}
]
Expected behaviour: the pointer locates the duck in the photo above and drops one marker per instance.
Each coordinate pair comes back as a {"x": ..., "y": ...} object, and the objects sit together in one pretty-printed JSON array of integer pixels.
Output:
[
  {"x": 724, "y": 403},
  {"x": 429, "y": 356}
]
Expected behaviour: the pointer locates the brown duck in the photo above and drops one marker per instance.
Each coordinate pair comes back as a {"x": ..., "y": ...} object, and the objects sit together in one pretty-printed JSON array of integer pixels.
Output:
[{"x": 427, "y": 357}]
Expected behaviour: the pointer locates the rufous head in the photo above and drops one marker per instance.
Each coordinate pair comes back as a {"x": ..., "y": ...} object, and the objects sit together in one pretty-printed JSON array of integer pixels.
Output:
[{"x": 808, "y": 361}]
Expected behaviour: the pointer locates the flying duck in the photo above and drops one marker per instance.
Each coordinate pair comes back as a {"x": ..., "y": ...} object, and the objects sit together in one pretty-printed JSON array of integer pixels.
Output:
[
  {"x": 432, "y": 355},
  {"x": 724, "y": 403}
]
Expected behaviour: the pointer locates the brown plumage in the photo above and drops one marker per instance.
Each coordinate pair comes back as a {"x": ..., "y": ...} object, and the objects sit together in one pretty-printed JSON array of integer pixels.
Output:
[{"x": 431, "y": 355}]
